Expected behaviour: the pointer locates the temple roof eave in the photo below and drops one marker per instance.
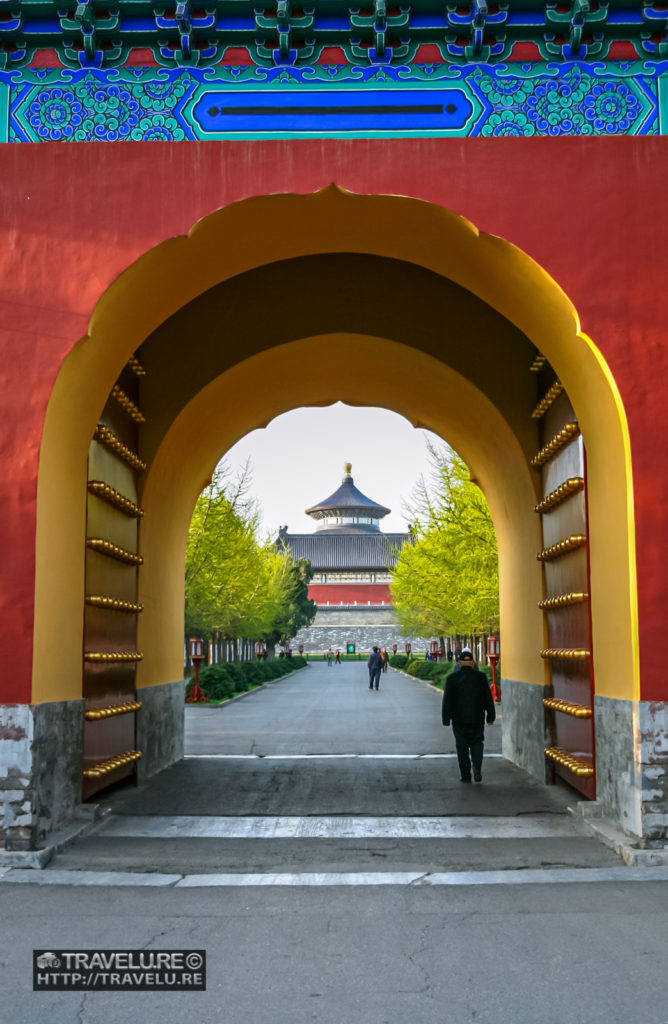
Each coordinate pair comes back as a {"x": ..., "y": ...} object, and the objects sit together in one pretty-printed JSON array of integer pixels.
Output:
[
  {"x": 347, "y": 500},
  {"x": 327, "y": 511}
]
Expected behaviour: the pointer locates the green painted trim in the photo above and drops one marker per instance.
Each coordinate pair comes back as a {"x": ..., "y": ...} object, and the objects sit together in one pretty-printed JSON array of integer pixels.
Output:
[
  {"x": 4, "y": 112},
  {"x": 599, "y": 99},
  {"x": 662, "y": 88}
]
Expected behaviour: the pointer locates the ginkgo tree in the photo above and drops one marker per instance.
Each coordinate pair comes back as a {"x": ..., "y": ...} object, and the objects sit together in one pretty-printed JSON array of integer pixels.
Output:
[
  {"x": 447, "y": 581},
  {"x": 234, "y": 585}
]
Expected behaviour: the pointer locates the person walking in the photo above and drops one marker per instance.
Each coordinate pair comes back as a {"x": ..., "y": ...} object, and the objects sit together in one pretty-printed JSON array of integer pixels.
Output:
[
  {"x": 330, "y": 655},
  {"x": 375, "y": 664},
  {"x": 467, "y": 700},
  {"x": 338, "y": 658},
  {"x": 385, "y": 656}
]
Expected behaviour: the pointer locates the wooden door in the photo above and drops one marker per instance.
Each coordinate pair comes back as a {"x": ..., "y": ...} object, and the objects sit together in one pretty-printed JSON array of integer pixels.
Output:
[
  {"x": 561, "y": 463},
  {"x": 112, "y": 563}
]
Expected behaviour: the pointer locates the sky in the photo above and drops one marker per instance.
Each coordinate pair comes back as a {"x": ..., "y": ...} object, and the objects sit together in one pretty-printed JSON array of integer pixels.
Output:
[{"x": 298, "y": 460}]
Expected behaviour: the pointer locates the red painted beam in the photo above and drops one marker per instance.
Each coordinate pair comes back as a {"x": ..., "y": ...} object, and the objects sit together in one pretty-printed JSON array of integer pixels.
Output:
[{"x": 350, "y": 593}]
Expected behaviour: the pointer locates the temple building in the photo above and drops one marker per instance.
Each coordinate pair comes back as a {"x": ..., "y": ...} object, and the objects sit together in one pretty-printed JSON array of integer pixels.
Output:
[{"x": 351, "y": 560}]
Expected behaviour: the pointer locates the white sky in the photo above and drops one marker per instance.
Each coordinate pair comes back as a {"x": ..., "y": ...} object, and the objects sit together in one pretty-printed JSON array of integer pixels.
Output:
[{"x": 298, "y": 460}]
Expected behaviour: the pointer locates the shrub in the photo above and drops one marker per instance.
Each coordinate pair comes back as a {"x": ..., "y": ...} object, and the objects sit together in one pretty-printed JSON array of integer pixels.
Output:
[
  {"x": 222, "y": 681},
  {"x": 398, "y": 660},
  {"x": 433, "y": 671}
]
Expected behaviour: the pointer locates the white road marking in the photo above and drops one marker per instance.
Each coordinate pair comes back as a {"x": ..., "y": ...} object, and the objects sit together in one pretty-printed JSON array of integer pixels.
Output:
[
  {"x": 65, "y": 877},
  {"x": 318, "y": 757},
  {"x": 335, "y": 827},
  {"x": 528, "y": 876}
]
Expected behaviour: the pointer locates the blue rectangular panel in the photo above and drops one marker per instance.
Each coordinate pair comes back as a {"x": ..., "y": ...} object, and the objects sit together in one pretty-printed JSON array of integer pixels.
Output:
[{"x": 329, "y": 110}]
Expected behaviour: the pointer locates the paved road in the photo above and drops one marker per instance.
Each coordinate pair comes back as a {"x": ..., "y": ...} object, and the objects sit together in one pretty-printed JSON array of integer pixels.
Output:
[
  {"x": 318, "y": 844},
  {"x": 533, "y": 954},
  {"x": 325, "y": 710},
  {"x": 316, "y": 772}
]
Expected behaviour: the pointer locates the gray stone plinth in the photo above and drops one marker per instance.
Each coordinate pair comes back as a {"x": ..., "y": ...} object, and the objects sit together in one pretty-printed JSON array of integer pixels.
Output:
[
  {"x": 160, "y": 727},
  {"x": 525, "y": 727},
  {"x": 652, "y": 743},
  {"x": 632, "y": 766},
  {"x": 618, "y": 781},
  {"x": 57, "y": 762},
  {"x": 41, "y": 753}
]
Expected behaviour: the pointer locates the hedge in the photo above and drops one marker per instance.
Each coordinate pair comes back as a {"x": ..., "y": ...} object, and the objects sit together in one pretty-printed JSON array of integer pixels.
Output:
[
  {"x": 433, "y": 671},
  {"x": 222, "y": 681}
]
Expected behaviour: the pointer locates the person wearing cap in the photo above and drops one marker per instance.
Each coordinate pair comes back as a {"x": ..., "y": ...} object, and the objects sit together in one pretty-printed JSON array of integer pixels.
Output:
[
  {"x": 375, "y": 664},
  {"x": 467, "y": 700}
]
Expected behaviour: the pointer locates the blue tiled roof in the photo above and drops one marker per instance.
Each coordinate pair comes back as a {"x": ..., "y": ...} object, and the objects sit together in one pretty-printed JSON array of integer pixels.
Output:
[
  {"x": 350, "y": 499},
  {"x": 334, "y": 550}
]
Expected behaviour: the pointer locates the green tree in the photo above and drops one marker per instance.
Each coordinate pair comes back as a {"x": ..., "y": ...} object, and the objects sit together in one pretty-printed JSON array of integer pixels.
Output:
[
  {"x": 235, "y": 586},
  {"x": 447, "y": 581},
  {"x": 224, "y": 572},
  {"x": 297, "y": 609}
]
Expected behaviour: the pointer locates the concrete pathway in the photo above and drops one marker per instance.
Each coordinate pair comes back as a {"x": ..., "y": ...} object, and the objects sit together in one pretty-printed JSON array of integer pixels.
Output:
[
  {"x": 318, "y": 846},
  {"x": 317, "y": 774}
]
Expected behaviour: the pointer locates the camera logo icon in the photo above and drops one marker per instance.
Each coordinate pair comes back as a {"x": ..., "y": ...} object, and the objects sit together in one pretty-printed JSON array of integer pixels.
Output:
[{"x": 48, "y": 960}]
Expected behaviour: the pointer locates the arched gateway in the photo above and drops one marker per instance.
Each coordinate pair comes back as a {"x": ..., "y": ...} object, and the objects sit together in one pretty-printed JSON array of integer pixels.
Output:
[{"x": 281, "y": 301}]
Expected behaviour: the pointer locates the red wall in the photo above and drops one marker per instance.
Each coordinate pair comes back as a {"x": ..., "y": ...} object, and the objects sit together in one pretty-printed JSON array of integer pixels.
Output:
[
  {"x": 350, "y": 593},
  {"x": 73, "y": 216}
]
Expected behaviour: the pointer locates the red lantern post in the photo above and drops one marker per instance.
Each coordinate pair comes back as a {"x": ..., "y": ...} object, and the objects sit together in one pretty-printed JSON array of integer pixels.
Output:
[
  {"x": 259, "y": 650},
  {"x": 394, "y": 648},
  {"x": 493, "y": 655},
  {"x": 196, "y": 654},
  {"x": 407, "y": 648}
]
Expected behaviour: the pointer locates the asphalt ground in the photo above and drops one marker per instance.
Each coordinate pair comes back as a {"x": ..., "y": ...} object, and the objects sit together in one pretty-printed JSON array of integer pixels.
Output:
[
  {"x": 334, "y": 869},
  {"x": 535, "y": 954},
  {"x": 319, "y": 746}
]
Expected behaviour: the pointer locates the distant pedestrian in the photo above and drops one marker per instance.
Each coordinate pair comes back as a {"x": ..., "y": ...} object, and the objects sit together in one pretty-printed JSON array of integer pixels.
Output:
[
  {"x": 330, "y": 655},
  {"x": 375, "y": 664},
  {"x": 338, "y": 657},
  {"x": 385, "y": 656},
  {"x": 466, "y": 702}
]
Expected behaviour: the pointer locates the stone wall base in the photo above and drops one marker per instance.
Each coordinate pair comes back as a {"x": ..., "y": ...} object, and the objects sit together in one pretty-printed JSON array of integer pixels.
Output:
[
  {"x": 632, "y": 766},
  {"x": 41, "y": 757},
  {"x": 631, "y": 756},
  {"x": 41, "y": 753},
  {"x": 160, "y": 727},
  {"x": 525, "y": 727}
]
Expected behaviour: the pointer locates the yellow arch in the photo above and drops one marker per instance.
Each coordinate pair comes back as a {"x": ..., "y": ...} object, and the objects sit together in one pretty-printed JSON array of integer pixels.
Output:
[
  {"x": 233, "y": 241},
  {"x": 341, "y": 365}
]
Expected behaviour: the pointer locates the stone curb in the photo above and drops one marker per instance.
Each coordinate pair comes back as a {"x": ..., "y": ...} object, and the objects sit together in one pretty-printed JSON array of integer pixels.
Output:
[
  {"x": 411, "y": 879},
  {"x": 415, "y": 679},
  {"x": 611, "y": 836},
  {"x": 437, "y": 689},
  {"x": 247, "y": 693},
  {"x": 58, "y": 840}
]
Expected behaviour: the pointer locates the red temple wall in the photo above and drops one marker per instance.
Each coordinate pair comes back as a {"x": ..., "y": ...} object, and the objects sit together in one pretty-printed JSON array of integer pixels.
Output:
[
  {"x": 74, "y": 216},
  {"x": 350, "y": 593}
]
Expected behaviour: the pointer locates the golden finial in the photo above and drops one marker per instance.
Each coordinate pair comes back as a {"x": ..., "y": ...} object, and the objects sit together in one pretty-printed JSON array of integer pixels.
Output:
[{"x": 348, "y": 466}]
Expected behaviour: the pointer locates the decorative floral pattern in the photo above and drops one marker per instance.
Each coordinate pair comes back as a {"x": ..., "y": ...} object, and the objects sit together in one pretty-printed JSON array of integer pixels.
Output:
[
  {"x": 611, "y": 108},
  {"x": 105, "y": 108},
  {"x": 148, "y": 104},
  {"x": 574, "y": 103}
]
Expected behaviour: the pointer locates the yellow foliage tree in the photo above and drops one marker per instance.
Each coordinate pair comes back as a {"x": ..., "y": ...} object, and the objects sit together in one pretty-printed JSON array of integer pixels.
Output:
[{"x": 447, "y": 581}]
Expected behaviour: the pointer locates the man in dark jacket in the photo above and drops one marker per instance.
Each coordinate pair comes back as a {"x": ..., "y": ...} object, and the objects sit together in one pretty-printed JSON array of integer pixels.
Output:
[
  {"x": 466, "y": 701},
  {"x": 375, "y": 664}
]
